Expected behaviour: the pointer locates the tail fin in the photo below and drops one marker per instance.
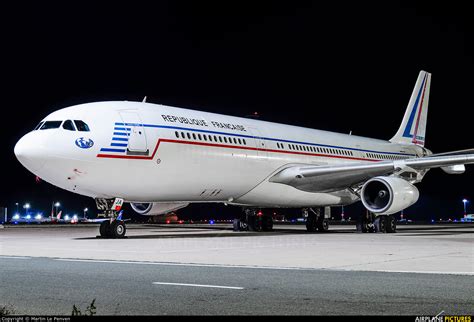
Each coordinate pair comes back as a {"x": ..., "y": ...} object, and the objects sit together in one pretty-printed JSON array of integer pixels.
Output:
[{"x": 413, "y": 127}]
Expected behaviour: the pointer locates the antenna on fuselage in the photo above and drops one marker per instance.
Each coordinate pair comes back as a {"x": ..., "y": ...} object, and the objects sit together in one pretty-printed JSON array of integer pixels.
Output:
[
  {"x": 144, "y": 100},
  {"x": 350, "y": 132}
]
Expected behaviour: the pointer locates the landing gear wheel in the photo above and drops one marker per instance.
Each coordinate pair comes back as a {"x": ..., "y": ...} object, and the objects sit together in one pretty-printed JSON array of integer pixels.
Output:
[
  {"x": 323, "y": 225},
  {"x": 381, "y": 224},
  {"x": 117, "y": 229},
  {"x": 391, "y": 224},
  {"x": 105, "y": 229},
  {"x": 311, "y": 223}
]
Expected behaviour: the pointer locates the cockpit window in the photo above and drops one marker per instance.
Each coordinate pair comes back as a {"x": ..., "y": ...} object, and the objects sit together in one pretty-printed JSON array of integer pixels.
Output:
[
  {"x": 38, "y": 126},
  {"x": 68, "y": 125},
  {"x": 81, "y": 126},
  {"x": 51, "y": 125}
]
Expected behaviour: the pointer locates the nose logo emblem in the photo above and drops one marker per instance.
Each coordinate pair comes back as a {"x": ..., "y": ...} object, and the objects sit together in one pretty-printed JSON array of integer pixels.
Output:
[{"x": 84, "y": 143}]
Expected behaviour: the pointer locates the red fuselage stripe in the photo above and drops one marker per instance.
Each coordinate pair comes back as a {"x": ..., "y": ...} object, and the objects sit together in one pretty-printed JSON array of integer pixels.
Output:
[{"x": 224, "y": 146}]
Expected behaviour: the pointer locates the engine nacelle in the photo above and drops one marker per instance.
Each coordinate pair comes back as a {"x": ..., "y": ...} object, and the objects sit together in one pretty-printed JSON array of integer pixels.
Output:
[
  {"x": 155, "y": 208},
  {"x": 388, "y": 195}
]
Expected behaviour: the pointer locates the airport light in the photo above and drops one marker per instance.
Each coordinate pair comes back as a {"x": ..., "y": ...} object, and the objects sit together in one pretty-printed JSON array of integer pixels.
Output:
[
  {"x": 38, "y": 216},
  {"x": 66, "y": 217},
  {"x": 16, "y": 216},
  {"x": 26, "y": 206},
  {"x": 465, "y": 201},
  {"x": 28, "y": 217},
  {"x": 85, "y": 210}
]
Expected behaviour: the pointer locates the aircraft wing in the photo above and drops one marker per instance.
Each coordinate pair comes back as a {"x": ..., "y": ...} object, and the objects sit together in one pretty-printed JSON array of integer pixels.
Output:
[{"x": 326, "y": 178}]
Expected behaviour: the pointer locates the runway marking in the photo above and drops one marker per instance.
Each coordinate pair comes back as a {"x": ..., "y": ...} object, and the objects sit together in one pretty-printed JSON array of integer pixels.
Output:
[
  {"x": 261, "y": 267},
  {"x": 200, "y": 285},
  {"x": 15, "y": 257}
]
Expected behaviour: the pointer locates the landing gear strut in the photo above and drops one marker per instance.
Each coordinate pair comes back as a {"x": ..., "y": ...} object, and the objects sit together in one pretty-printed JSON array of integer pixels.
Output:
[
  {"x": 253, "y": 220},
  {"x": 369, "y": 223},
  {"x": 112, "y": 227},
  {"x": 315, "y": 220}
]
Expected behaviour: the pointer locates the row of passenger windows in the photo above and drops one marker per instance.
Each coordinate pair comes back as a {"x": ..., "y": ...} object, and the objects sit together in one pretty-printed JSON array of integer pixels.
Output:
[
  {"x": 385, "y": 156},
  {"x": 293, "y": 147},
  {"x": 67, "y": 125},
  {"x": 210, "y": 138},
  {"x": 315, "y": 149}
]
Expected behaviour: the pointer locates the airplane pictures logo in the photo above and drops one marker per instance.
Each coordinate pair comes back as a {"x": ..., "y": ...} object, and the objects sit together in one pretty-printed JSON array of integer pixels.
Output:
[{"x": 84, "y": 143}]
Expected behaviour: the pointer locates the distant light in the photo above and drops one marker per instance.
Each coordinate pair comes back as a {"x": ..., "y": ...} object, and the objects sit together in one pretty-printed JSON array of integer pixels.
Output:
[
  {"x": 86, "y": 209},
  {"x": 38, "y": 217},
  {"x": 28, "y": 217},
  {"x": 167, "y": 221},
  {"x": 464, "y": 200},
  {"x": 211, "y": 222},
  {"x": 57, "y": 204},
  {"x": 66, "y": 217},
  {"x": 26, "y": 206},
  {"x": 16, "y": 216},
  {"x": 180, "y": 221},
  {"x": 432, "y": 220},
  {"x": 74, "y": 217}
]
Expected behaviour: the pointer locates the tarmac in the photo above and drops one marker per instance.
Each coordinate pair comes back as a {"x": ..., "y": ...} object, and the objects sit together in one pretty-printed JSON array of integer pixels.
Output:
[{"x": 204, "y": 269}]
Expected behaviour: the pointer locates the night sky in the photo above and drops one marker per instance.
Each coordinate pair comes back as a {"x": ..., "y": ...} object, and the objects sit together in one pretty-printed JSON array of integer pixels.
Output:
[{"x": 340, "y": 67}]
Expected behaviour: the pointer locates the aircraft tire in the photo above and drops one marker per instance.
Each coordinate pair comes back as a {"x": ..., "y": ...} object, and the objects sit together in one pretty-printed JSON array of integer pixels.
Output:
[
  {"x": 118, "y": 229},
  {"x": 104, "y": 229},
  {"x": 391, "y": 224},
  {"x": 323, "y": 225}
]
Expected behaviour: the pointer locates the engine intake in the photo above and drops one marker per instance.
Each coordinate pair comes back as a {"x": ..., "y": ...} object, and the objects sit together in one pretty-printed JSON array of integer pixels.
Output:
[
  {"x": 388, "y": 195},
  {"x": 155, "y": 208}
]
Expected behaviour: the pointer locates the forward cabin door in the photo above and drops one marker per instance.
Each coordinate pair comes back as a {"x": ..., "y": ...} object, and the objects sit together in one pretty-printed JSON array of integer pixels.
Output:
[{"x": 137, "y": 143}]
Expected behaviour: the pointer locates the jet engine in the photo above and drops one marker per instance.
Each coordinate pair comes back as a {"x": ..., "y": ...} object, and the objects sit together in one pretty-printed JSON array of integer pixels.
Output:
[
  {"x": 388, "y": 195},
  {"x": 155, "y": 208}
]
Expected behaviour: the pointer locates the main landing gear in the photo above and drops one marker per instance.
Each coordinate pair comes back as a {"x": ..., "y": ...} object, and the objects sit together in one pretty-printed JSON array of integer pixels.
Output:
[
  {"x": 253, "y": 220},
  {"x": 112, "y": 227},
  {"x": 315, "y": 220},
  {"x": 369, "y": 223}
]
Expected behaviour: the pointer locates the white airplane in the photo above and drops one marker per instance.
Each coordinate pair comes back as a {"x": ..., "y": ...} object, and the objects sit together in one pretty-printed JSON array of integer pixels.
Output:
[{"x": 161, "y": 158}]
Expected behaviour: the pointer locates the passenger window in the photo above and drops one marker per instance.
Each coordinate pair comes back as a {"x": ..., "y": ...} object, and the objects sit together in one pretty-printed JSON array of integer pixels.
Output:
[
  {"x": 205, "y": 137},
  {"x": 199, "y": 136},
  {"x": 81, "y": 126},
  {"x": 175, "y": 133},
  {"x": 189, "y": 136},
  {"x": 194, "y": 136},
  {"x": 182, "y": 135},
  {"x": 215, "y": 138},
  {"x": 225, "y": 139},
  {"x": 240, "y": 142},
  {"x": 51, "y": 125},
  {"x": 243, "y": 140},
  {"x": 220, "y": 139},
  {"x": 68, "y": 125}
]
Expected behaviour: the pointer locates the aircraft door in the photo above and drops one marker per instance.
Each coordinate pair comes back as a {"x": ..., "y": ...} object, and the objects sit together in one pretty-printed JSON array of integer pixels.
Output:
[
  {"x": 259, "y": 142},
  {"x": 137, "y": 143}
]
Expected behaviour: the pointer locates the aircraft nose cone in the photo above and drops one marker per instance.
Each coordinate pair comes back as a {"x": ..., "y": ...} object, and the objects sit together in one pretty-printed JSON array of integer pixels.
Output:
[{"x": 30, "y": 152}]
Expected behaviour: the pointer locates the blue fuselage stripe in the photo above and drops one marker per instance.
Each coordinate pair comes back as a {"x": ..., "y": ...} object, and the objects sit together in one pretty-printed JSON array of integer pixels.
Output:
[
  {"x": 111, "y": 150},
  {"x": 120, "y": 139},
  {"x": 120, "y": 133},
  {"x": 257, "y": 137},
  {"x": 119, "y": 144}
]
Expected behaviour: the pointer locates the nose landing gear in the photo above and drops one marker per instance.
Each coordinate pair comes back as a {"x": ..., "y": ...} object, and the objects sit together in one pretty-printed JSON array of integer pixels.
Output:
[{"x": 113, "y": 226}]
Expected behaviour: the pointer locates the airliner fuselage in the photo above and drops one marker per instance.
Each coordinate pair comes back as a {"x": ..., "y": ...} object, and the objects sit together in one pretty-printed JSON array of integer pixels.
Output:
[{"x": 144, "y": 152}]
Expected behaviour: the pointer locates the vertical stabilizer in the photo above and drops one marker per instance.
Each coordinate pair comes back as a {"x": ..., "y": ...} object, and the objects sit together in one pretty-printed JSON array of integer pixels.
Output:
[{"x": 413, "y": 127}]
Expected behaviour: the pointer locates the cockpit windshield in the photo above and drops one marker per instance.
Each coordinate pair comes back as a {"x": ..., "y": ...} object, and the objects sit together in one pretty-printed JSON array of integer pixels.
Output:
[
  {"x": 38, "y": 126},
  {"x": 68, "y": 125},
  {"x": 50, "y": 125},
  {"x": 81, "y": 126}
]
